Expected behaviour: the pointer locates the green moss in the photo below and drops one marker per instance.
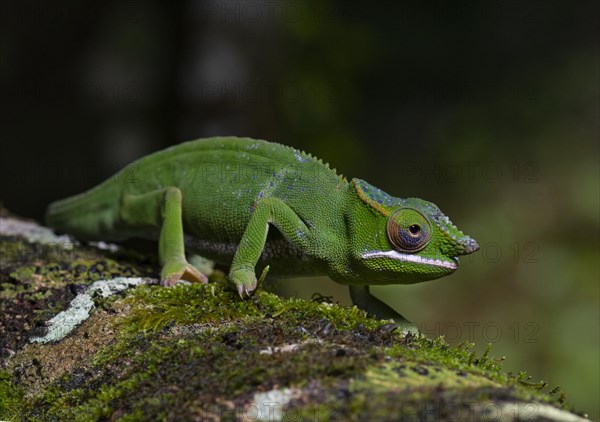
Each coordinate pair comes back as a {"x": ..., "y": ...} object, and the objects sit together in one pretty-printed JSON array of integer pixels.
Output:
[
  {"x": 11, "y": 398},
  {"x": 21, "y": 261},
  {"x": 203, "y": 338},
  {"x": 413, "y": 375},
  {"x": 39, "y": 280},
  {"x": 195, "y": 350},
  {"x": 100, "y": 406},
  {"x": 78, "y": 271},
  {"x": 205, "y": 365},
  {"x": 310, "y": 412},
  {"x": 183, "y": 348},
  {"x": 155, "y": 307},
  {"x": 462, "y": 359}
]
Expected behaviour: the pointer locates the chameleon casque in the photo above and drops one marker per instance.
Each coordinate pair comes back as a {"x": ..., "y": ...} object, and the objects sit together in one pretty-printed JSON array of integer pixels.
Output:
[{"x": 253, "y": 204}]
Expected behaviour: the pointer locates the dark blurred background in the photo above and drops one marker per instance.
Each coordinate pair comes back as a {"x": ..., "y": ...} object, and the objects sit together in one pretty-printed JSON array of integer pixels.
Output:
[{"x": 490, "y": 109}]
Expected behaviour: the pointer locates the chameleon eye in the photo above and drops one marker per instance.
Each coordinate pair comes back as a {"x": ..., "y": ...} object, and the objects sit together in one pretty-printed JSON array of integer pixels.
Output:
[
  {"x": 414, "y": 230},
  {"x": 408, "y": 230}
]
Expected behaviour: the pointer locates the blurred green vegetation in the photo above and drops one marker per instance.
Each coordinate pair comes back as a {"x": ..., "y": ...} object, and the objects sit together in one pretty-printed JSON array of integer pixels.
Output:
[
  {"x": 501, "y": 133},
  {"x": 488, "y": 109}
]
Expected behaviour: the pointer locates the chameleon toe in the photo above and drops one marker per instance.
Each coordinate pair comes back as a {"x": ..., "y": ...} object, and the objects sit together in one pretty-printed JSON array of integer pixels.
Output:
[
  {"x": 170, "y": 281},
  {"x": 180, "y": 270},
  {"x": 192, "y": 274}
]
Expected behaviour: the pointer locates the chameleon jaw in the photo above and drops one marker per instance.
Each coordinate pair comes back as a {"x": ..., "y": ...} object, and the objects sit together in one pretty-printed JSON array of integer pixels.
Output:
[{"x": 451, "y": 265}]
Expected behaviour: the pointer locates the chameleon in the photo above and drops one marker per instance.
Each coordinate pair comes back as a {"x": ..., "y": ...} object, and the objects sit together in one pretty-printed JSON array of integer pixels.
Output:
[{"x": 258, "y": 205}]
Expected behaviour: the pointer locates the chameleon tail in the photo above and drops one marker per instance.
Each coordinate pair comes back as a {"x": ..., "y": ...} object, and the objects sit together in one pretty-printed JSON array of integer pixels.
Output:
[{"x": 91, "y": 215}]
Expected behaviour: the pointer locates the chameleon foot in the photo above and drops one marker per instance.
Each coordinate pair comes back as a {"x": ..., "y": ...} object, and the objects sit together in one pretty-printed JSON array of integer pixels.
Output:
[
  {"x": 245, "y": 282},
  {"x": 172, "y": 273},
  {"x": 406, "y": 327}
]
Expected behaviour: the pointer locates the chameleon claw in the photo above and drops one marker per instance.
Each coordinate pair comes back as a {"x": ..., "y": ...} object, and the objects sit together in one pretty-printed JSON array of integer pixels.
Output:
[
  {"x": 245, "y": 282},
  {"x": 249, "y": 291},
  {"x": 245, "y": 292},
  {"x": 240, "y": 290}
]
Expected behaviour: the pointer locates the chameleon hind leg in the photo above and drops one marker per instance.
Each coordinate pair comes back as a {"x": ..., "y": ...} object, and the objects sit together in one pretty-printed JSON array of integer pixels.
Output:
[
  {"x": 162, "y": 209},
  {"x": 268, "y": 211}
]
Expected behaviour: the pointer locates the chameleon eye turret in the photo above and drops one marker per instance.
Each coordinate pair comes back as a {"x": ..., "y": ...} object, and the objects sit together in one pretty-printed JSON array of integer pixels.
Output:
[{"x": 408, "y": 230}]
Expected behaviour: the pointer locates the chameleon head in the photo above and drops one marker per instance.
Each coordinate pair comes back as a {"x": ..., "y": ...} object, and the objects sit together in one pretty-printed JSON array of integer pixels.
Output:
[{"x": 410, "y": 240}]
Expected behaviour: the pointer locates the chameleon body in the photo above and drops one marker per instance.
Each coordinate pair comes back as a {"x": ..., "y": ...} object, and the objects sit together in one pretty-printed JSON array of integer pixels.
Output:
[{"x": 253, "y": 204}]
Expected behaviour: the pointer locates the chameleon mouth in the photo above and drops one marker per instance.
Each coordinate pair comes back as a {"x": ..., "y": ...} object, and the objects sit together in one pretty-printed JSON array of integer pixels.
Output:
[{"x": 451, "y": 265}]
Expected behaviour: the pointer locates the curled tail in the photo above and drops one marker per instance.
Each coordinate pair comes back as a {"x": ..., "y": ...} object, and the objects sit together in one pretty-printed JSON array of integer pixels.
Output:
[{"x": 91, "y": 215}]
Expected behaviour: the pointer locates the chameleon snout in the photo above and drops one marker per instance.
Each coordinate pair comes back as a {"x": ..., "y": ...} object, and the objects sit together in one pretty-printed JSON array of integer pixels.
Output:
[{"x": 467, "y": 246}]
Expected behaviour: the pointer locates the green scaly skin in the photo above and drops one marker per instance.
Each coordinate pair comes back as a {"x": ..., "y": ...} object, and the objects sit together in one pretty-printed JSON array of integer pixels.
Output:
[{"x": 257, "y": 205}]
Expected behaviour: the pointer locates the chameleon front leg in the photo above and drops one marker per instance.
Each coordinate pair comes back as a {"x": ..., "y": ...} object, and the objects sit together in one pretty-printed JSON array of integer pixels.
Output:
[
  {"x": 162, "y": 209},
  {"x": 362, "y": 298},
  {"x": 267, "y": 211}
]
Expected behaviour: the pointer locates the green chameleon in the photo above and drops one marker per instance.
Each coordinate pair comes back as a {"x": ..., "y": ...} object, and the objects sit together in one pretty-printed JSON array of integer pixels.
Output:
[{"x": 255, "y": 204}]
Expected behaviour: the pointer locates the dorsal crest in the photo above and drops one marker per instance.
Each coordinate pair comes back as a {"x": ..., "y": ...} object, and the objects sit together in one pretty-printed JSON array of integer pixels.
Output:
[
  {"x": 303, "y": 156},
  {"x": 375, "y": 197}
]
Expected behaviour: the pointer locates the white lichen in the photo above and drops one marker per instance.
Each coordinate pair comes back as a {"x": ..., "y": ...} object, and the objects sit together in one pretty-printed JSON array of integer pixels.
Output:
[
  {"x": 79, "y": 308},
  {"x": 33, "y": 232},
  {"x": 286, "y": 348},
  {"x": 111, "y": 247},
  {"x": 269, "y": 406},
  {"x": 279, "y": 349}
]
